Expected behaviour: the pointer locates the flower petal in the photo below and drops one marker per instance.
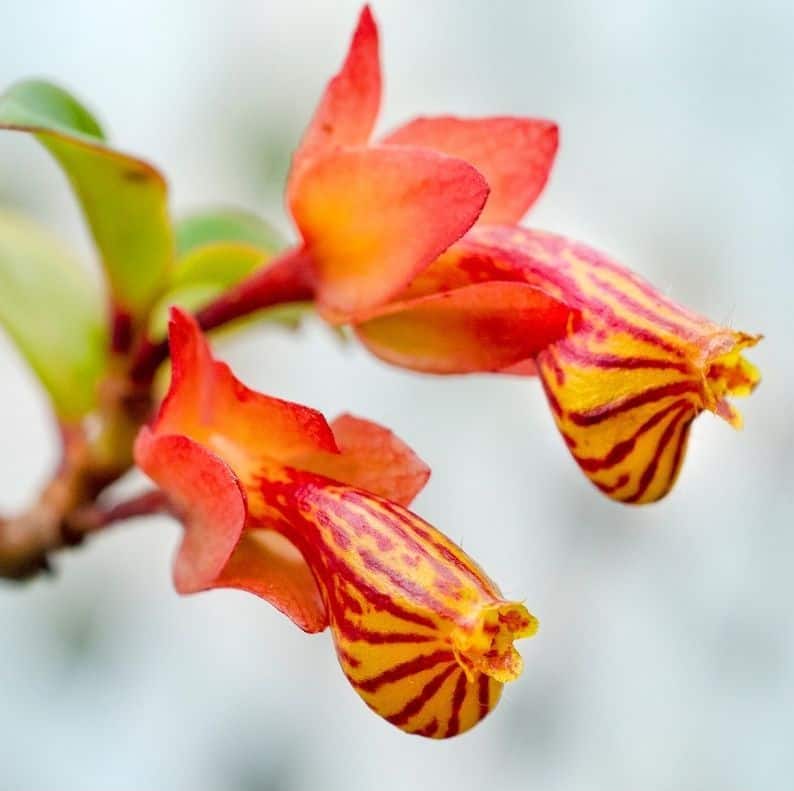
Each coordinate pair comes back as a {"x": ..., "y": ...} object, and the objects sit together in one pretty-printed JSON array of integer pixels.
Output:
[
  {"x": 53, "y": 310},
  {"x": 625, "y": 386},
  {"x": 124, "y": 199},
  {"x": 217, "y": 551},
  {"x": 206, "y": 495},
  {"x": 372, "y": 458},
  {"x": 268, "y": 565},
  {"x": 372, "y": 218},
  {"x": 484, "y": 327},
  {"x": 349, "y": 106},
  {"x": 207, "y": 403},
  {"x": 422, "y": 634},
  {"x": 514, "y": 154}
]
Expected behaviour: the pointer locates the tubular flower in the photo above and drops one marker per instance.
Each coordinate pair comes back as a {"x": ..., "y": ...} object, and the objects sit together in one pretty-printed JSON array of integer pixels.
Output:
[
  {"x": 370, "y": 227},
  {"x": 373, "y": 215},
  {"x": 624, "y": 384},
  {"x": 312, "y": 518}
]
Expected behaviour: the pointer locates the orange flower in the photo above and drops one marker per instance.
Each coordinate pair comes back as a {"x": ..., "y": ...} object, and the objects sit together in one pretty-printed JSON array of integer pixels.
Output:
[
  {"x": 625, "y": 383},
  {"x": 625, "y": 369},
  {"x": 312, "y": 518},
  {"x": 372, "y": 216}
]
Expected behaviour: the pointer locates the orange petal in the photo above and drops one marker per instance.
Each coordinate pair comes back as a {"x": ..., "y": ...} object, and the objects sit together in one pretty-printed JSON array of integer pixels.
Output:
[
  {"x": 514, "y": 154},
  {"x": 349, "y": 106},
  {"x": 372, "y": 458},
  {"x": 484, "y": 327},
  {"x": 216, "y": 550},
  {"x": 206, "y": 402},
  {"x": 268, "y": 565},
  {"x": 372, "y": 218},
  {"x": 206, "y": 495},
  {"x": 523, "y": 368}
]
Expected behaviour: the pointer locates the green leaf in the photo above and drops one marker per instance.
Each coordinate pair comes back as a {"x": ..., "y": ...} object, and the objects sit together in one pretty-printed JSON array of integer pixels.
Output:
[
  {"x": 42, "y": 104},
  {"x": 124, "y": 199},
  {"x": 204, "y": 273},
  {"x": 207, "y": 271},
  {"x": 226, "y": 225},
  {"x": 54, "y": 312}
]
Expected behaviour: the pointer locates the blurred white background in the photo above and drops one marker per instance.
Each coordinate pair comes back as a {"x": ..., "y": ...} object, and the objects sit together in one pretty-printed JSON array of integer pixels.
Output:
[{"x": 665, "y": 658}]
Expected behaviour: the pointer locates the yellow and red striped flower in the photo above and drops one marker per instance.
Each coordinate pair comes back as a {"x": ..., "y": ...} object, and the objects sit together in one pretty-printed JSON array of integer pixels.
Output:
[
  {"x": 312, "y": 518},
  {"x": 625, "y": 369},
  {"x": 625, "y": 383}
]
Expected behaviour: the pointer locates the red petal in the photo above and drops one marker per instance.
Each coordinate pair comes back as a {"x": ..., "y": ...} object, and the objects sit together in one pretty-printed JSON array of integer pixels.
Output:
[
  {"x": 372, "y": 218},
  {"x": 206, "y": 495},
  {"x": 484, "y": 327},
  {"x": 267, "y": 564},
  {"x": 207, "y": 403},
  {"x": 514, "y": 154},
  {"x": 349, "y": 106},
  {"x": 371, "y": 458},
  {"x": 523, "y": 368}
]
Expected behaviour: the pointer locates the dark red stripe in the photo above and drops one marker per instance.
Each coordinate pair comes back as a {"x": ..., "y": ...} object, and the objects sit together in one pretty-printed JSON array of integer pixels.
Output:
[
  {"x": 615, "y": 361},
  {"x": 347, "y": 659},
  {"x": 544, "y": 359},
  {"x": 606, "y": 411},
  {"x": 321, "y": 555},
  {"x": 361, "y": 527},
  {"x": 484, "y": 695},
  {"x": 416, "y": 590},
  {"x": 405, "y": 669},
  {"x": 649, "y": 473},
  {"x": 404, "y": 520},
  {"x": 624, "y": 448},
  {"x": 678, "y": 456},
  {"x": 416, "y": 704},
  {"x": 458, "y": 697},
  {"x": 638, "y": 309},
  {"x": 612, "y": 488},
  {"x": 646, "y": 288},
  {"x": 471, "y": 570},
  {"x": 428, "y": 730},
  {"x": 356, "y": 634}
]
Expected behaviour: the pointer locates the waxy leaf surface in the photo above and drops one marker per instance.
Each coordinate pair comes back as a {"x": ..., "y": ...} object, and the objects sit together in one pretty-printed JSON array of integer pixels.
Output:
[
  {"x": 124, "y": 199},
  {"x": 53, "y": 311}
]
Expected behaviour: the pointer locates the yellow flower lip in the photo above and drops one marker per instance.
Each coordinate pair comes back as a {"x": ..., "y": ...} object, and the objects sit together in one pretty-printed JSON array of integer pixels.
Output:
[
  {"x": 728, "y": 373},
  {"x": 486, "y": 645}
]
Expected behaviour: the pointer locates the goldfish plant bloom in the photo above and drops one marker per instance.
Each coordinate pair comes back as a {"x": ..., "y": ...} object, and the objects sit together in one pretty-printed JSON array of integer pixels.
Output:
[
  {"x": 312, "y": 518},
  {"x": 625, "y": 369},
  {"x": 627, "y": 380},
  {"x": 373, "y": 215}
]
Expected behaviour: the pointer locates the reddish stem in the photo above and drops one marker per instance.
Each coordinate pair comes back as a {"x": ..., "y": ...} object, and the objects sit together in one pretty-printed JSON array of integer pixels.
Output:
[
  {"x": 121, "y": 330},
  {"x": 94, "y": 517},
  {"x": 288, "y": 278}
]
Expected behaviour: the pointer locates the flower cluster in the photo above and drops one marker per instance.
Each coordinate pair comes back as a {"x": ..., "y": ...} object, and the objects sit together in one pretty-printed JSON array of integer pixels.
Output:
[{"x": 414, "y": 241}]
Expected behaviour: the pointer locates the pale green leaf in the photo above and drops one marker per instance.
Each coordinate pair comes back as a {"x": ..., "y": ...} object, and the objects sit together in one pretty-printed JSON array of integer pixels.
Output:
[
  {"x": 54, "y": 312},
  {"x": 226, "y": 225},
  {"x": 124, "y": 199}
]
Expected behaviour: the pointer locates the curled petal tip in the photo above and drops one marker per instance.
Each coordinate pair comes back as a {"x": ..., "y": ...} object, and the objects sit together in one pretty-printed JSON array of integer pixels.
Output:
[
  {"x": 487, "y": 646},
  {"x": 730, "y": 374}
]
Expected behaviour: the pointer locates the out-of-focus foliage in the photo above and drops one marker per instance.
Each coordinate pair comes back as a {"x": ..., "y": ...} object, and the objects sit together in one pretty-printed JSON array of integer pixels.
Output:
[
  {"x": 124, "y": 199},
  {"x": 217, "y": 249},
  {"x": 53, "y": 311},
  {"x": 226, "y": 225}
]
